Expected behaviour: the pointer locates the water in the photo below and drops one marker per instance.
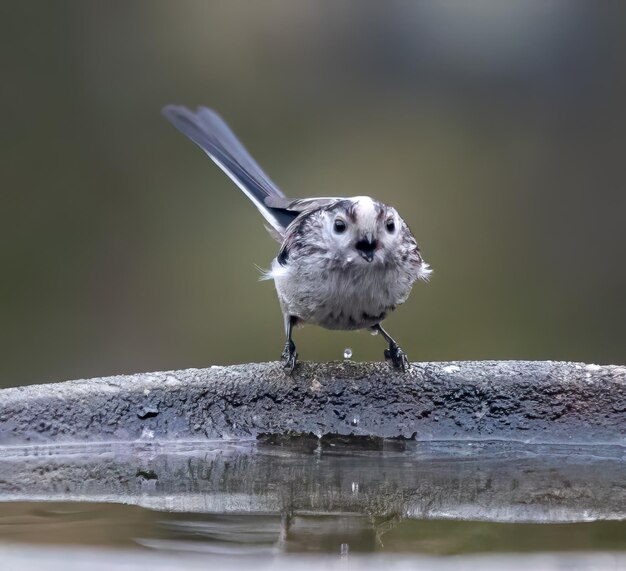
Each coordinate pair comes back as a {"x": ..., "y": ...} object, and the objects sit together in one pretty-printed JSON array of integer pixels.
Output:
[
  {"x": 347, "y": 353},
  {"x": 132, "y": 527},
  {"x": 341, "y": 499}
]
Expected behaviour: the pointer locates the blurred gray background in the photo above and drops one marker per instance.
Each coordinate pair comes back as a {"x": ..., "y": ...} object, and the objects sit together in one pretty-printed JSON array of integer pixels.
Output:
[{"x": 496, "y": 128}]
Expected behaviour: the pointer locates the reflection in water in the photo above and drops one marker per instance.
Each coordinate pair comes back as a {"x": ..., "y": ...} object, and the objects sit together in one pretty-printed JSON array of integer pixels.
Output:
[
  {"x": 116, "y": 525},
  {"x": 305, "y": 495}
]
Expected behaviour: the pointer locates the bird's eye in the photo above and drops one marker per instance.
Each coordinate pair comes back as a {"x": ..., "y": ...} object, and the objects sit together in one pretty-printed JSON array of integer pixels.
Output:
[
  {"x": 339, "y": 226},
  {"x": 391, "y": 226}
]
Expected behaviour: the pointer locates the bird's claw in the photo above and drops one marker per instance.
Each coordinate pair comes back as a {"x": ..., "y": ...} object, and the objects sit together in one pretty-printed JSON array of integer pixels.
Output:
[
  {"x": 290, "y": 357},
  {"x": 398, "y": 357}
]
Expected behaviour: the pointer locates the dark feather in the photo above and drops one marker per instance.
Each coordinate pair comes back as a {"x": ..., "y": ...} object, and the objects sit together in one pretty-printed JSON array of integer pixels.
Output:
[{"x": 209, "y": 131}]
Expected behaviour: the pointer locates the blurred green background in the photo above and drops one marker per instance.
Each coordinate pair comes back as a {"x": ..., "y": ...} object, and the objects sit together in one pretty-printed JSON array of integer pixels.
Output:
[{"x": 496, "y": 128}]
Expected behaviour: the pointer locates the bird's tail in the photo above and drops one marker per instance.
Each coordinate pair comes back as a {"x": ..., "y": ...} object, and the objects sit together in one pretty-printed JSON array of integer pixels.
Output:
[{"x": 209, "y": 131}]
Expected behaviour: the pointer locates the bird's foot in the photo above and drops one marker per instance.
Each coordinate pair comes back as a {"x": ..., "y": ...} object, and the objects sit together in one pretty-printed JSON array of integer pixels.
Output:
[
  {"x": 290, "y": 357},
  {"x": 398, "y": 357}
]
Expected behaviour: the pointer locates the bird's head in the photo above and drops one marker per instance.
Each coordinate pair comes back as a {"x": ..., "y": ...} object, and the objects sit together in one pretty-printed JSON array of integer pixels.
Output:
[{"x": 363, "y": 230}]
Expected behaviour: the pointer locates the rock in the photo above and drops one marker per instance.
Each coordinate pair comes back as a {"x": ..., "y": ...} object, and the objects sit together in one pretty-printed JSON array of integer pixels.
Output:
[{"x": 539, "y": 402}]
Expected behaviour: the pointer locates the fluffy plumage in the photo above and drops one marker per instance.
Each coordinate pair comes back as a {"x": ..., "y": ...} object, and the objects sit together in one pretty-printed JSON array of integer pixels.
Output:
[{"x": 344, "y": 263}]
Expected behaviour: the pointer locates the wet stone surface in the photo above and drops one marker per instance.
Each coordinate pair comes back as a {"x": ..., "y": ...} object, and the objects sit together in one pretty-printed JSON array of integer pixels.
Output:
[
  {"x": 345, "y": 460},
  {"x": 542, "y": 402}
]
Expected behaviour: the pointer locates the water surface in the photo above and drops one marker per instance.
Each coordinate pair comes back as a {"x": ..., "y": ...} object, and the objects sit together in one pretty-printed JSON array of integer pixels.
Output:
[{"x": 342, "y": 499}]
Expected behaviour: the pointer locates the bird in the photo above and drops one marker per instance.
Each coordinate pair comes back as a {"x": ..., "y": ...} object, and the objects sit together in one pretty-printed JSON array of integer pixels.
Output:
[{"x": 344, "y": 263}]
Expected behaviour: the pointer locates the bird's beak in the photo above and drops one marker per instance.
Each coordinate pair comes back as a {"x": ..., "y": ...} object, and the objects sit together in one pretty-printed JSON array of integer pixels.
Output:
[
  {"x": 366, "y": 246},
  {"x": 369, "y": 256}
]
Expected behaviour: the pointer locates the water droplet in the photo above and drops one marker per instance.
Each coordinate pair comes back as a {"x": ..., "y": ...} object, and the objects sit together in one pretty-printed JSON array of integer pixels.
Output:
[
  {"x": 347, "y": 353},
  {"x": 373, "y": 331},
  {"x": 345, "y": 549}
]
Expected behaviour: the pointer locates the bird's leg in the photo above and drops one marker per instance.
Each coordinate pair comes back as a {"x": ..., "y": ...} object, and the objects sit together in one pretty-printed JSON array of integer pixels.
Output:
[
  {"x": 394, "y": 354},
  {"x": 289, "y": 352}
]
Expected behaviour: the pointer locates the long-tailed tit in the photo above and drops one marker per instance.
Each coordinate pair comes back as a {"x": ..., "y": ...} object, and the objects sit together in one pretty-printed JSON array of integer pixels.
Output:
[{"x": 344, "y": 263}]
